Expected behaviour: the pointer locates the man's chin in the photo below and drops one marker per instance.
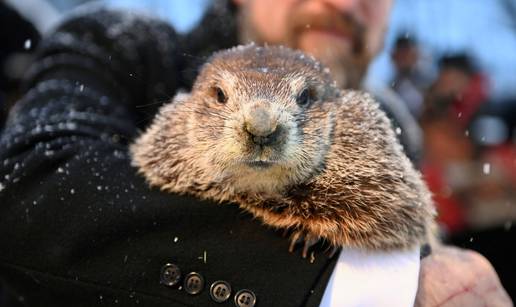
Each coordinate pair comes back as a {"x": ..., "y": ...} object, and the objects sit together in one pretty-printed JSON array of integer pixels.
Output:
[{"x": 335, "y": 51}]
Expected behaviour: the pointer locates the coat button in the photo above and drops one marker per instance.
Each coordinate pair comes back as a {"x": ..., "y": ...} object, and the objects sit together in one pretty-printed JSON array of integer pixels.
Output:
[
  {"x": 220, "y": 291},
  {"x": 245, "y": 298},
  {"x": 194, "y": 283},
  {"x": 170, "y": 274}
]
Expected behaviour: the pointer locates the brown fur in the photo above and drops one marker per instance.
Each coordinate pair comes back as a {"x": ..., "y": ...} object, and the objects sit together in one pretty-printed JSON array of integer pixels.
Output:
[{"x": 337, "y": 172}]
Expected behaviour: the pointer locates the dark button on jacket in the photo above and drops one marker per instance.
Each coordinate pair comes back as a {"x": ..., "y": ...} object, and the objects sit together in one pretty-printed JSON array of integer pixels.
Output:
[
  {"x": 194, "y": 283},
  {"x": 220, "y": 291},
  {"x": 245, "y": 298},
  {"x": 170, "y": 274}
]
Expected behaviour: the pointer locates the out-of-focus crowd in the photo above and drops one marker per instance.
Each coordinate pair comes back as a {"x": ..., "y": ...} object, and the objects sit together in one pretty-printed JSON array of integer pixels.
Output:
[
  {"x": 469, "y": 155},
  {"x": 469, "y": 159}
]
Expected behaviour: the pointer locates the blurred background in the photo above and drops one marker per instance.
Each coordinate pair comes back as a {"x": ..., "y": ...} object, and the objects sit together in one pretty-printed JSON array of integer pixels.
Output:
[{"x": 452, "y": 61}]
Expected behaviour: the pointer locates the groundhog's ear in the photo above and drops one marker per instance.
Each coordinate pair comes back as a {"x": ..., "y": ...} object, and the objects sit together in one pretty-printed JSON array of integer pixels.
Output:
[{"x": 181, "y": 97}]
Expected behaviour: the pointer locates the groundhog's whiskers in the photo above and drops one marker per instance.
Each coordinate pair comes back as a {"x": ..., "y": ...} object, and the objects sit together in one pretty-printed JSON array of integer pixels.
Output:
[{"x": 199, "y": 112}]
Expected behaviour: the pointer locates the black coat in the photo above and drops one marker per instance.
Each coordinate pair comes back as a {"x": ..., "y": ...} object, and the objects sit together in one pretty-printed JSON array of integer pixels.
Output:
[{"x": 78, "y": 225}]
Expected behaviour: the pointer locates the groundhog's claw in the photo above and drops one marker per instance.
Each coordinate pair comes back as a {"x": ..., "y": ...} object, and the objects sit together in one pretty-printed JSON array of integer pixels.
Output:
[
  {"x": 332, "y": 251},
  {"x": 308, "y": 240}
]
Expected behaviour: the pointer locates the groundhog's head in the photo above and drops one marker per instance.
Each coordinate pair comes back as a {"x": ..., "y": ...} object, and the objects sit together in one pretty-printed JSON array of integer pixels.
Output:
[{"x": 261, "y": 115}]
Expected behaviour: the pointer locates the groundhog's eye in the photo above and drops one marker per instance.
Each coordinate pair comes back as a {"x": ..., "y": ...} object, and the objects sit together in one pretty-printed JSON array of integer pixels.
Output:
[
  {"x": 306, "y": 97},
  {"x": 219, "y": 95}
]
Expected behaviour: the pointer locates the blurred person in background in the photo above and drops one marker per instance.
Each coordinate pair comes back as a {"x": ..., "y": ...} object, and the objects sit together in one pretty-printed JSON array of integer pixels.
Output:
[
  {"x": 80, "y": 227},
  {"x": 460, "y": 89},
  {"x": 412, "y": 74},
  {"x": 451, "y": 103},
  {"x": 469, "y": 162}
]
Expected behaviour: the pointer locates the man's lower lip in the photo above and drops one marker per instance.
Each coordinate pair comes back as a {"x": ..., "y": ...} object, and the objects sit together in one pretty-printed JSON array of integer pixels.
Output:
[{"x": 327, "y": 32}]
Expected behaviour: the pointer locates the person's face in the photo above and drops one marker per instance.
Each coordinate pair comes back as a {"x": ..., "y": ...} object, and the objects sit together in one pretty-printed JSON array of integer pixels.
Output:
[
  {"x": 343, "y": 34},
  {"x": 451, "y": 83},
  {"x": 405, "y": 58}
]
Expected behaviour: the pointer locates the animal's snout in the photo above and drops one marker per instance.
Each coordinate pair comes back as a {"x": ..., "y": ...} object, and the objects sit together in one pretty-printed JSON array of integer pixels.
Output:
[
  {"x": 269, "y": 139},
  {"x": 262, "y": 127}
]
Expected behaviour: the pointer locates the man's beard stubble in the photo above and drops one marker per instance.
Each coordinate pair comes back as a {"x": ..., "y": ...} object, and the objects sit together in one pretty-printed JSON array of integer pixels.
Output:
[{"x": 347, "y": 65}]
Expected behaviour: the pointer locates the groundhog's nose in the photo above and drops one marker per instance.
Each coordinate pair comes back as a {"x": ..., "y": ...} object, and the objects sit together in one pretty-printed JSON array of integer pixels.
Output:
[{"x": 262, "y": 127}]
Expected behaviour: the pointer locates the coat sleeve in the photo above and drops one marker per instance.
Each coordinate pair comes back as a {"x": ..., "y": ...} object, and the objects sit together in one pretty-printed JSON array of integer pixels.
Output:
[{"x": 68, "y": 194}]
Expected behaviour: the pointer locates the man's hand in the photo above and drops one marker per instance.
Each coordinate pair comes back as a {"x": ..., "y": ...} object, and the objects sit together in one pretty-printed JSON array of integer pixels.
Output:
[{"x": 455, "y": 277}]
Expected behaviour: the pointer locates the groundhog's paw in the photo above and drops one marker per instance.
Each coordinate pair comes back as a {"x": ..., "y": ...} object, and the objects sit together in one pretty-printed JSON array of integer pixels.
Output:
[{"x": 308, "y": 241}]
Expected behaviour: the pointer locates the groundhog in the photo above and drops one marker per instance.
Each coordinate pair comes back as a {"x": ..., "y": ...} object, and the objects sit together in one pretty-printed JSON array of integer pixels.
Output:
[{"x": 267, "y": 128}]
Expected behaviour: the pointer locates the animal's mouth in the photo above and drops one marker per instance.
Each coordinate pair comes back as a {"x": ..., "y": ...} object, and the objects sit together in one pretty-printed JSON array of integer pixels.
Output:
[
  {"x": 259, "y": 164},
  {"x": 262, "y": 157}
]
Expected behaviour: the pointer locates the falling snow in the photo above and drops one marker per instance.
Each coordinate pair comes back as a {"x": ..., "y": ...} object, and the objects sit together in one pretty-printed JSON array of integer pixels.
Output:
[
  {"x": 486, "y": 168},
  {"x": 27, "y": 44}
]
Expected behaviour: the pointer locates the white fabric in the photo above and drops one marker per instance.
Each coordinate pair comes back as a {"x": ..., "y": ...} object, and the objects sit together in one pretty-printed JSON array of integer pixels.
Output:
[{"x": 369, "y": 279}]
